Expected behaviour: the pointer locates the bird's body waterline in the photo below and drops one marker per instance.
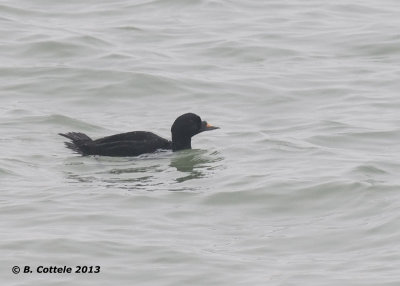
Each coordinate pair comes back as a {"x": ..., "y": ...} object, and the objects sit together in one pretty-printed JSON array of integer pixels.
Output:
[{"x": 140, "y": 142}]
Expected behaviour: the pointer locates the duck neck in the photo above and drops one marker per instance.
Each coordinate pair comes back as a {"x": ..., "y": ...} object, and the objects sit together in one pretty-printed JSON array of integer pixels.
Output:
[{"x": 179, "y": 143}]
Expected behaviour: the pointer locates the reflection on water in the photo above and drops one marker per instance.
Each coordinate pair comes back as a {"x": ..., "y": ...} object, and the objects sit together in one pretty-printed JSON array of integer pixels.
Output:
[
  {"x": 194, "y": 163},
  {"x": 121, "y": 172},
  {"x": 142, "y": 173}
]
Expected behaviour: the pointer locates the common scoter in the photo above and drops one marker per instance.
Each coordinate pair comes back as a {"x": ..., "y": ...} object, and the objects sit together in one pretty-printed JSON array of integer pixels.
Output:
[{"x": 140, "y": 142}]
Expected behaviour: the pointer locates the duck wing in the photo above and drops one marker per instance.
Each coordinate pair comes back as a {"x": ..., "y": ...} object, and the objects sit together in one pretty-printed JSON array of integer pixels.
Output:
[
  {"x": 125, "y": 144},
  {"x": 126, "y": 148},
  {"x": 131, "y": 136}
]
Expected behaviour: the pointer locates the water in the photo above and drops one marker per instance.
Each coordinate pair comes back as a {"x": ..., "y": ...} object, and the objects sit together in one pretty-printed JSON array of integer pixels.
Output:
[{"x": 300, "y": 185}]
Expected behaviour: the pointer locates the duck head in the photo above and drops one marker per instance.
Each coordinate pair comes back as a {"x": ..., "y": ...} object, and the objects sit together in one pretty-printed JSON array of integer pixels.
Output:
[{"x": 185, "y": 127}]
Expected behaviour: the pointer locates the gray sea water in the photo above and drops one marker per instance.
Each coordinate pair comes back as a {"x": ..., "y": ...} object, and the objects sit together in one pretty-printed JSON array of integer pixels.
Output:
[{"x": 300, "y": 186}]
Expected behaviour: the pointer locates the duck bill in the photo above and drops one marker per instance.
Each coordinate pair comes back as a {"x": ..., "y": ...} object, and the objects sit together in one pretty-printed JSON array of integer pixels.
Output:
[{"x": 207, "y": 127}]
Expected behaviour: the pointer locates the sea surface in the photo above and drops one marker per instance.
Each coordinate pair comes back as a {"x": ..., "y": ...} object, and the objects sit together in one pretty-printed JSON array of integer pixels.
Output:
[{"x": 300, "y": 186}]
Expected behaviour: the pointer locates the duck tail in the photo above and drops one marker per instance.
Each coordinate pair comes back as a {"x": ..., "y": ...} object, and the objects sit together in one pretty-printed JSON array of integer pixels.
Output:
[{"x": 79, "y": 141}]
